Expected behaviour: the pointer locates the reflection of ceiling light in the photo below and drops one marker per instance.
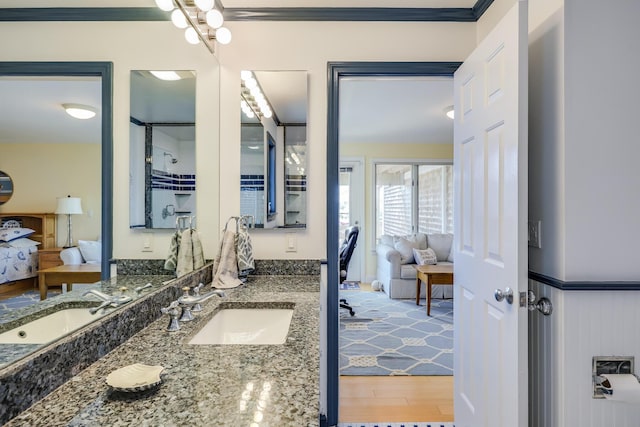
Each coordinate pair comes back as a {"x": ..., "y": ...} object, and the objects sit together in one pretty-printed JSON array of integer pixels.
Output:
[
  {"x": 253, "y": 95},
  {"x": 191, "y": 35},
  {"x": 166, "y": 75},
  {"x": 253, "y": 147},
  {"x": 295, "y": 158},
  {"x": 449, "y": 111},
  {"x": 79, "y": 111}
]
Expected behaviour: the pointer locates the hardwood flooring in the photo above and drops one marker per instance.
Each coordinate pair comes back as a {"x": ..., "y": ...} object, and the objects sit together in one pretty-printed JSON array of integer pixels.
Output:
[{"x": 396, "y": 399}]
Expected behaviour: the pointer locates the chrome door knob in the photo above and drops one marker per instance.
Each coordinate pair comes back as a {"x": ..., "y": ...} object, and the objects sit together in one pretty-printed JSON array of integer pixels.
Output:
[{"x": 507, "y": 295}]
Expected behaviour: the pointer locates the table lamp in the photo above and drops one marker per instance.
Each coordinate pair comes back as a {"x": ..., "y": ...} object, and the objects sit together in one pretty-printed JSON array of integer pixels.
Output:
[{"x": 69, "y": 206}]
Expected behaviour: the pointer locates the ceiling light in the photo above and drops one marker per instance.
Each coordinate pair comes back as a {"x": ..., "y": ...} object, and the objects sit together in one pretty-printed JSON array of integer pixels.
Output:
[
  {"x": 246, "y": 75},
  {"x": 166, "y": 75},
  {"x": 166, "y": 5},
  {"x": 449, "y": 112},
  {"x": 253, "y": 147},
  {"x": 79, "y": 111}
]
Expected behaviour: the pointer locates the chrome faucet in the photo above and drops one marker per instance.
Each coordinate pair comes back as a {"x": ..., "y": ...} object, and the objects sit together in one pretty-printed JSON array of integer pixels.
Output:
[
  {"x": 141, "y": 288},
  {"x": 107, "y": 300},
  {"x": 188, "y": 302}
]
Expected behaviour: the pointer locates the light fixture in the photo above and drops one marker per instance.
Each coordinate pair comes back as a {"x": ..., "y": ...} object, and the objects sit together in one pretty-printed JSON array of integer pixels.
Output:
[
  {"x": 166, "y": 5},
  {"x": 449, "y": 112},
  {"x": 203, "y": 22},
  {"x": 80, "y": 111},
  {"x": 166, "y": 75},
  {"x": 253, "y": 96},
  {"x": 69, "y": 206}
]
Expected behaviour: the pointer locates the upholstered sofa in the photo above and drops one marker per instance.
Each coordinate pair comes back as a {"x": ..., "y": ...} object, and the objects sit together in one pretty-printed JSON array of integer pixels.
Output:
[{"x": 395, "y": 270}]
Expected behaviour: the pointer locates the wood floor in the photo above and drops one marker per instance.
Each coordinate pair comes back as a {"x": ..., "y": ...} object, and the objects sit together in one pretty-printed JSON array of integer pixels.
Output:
[{"x": 396, "y": 399}]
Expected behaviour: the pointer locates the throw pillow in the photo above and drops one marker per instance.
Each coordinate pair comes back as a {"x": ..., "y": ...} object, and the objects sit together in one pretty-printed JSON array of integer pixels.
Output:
[
  {"x": 9, "y": 234},
  {"x": 405, "y": 247},
  {"x": 91, "y": 251},
  {"x": 425, "y": 256}
]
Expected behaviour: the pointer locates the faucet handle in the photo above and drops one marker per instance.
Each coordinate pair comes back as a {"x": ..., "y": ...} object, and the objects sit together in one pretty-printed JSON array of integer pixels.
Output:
[
  {"x": 172, "y": 311},
  {"x": 172, "y": 307}
]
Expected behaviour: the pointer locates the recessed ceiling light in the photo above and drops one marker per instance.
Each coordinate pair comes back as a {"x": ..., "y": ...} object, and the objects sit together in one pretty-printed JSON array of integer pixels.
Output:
[
  {"x": 166, "y": 75},
  {"x": 80, "y": 111},
  {"x": 449, "y": 112},
  {"x": 253, "y": 147}
]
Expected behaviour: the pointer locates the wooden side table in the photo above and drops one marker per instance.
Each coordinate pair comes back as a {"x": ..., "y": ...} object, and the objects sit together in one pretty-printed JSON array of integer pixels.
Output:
[
  {"x": 438, "y": 274},
  {"x": 69, "y": 274},
  {"x": 48, "y": 258}
]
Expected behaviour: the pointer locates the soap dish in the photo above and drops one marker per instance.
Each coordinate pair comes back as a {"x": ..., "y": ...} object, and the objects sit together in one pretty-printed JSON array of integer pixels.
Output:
[{"x": 134, "y": 378}]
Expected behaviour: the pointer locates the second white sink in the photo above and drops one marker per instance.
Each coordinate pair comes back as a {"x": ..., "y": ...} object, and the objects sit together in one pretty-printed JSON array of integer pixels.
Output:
[{"x": 246, "y": 326}]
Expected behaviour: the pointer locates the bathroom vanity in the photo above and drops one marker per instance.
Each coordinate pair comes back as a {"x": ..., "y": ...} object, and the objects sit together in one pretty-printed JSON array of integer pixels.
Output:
[{"x": 204, "y": 385}]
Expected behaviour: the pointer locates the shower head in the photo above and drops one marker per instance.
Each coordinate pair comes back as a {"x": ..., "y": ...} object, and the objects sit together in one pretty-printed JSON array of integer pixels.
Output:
[{"x": 173, "y": 159}]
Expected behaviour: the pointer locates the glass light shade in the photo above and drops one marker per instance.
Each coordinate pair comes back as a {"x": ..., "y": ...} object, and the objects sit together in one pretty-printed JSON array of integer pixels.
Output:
[
  {"x": 250, "y": 83},
  {"x": 69, "y": 206},
  {"x": 178, "y": 19},
  {"x": 223, "y": 35},
  {"x": 246, "y": 75},
  {"x": 249, "y": 114},
  {"x": 166, "y": 5},
  {"x": 166, "y": 75},
  {"x": 204, "y": 5},
  {"x": 78, "y": 111},
  {"x": 449, "y": 112},
  {"x": 191, "y": 35},
  {"x": 214, "y": 18},
  {"x": 267, "y": 114}
]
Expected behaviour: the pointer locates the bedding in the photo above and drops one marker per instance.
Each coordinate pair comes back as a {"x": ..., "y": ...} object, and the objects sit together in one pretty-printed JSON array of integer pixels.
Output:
[{"x": 18, "y": 263}]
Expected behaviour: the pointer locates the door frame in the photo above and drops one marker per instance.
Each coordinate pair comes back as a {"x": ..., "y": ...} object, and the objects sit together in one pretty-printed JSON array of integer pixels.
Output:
[
  {"x": 359, "y": 212},
  {"x": 335, "y": 71}
]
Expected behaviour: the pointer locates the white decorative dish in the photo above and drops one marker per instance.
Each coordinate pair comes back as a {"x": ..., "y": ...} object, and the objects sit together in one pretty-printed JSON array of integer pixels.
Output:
[{"x": 136, "y": 377}]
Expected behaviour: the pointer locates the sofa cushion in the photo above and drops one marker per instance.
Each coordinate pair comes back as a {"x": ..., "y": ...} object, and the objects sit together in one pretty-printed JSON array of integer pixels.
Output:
[
  {"x": 441, "y": 245},
  {"x": 450, "y": 257},
  {"x": 406, "y": 247},
  {"x": 425, "y": 256},
  {"x": 408, "y": 271}
]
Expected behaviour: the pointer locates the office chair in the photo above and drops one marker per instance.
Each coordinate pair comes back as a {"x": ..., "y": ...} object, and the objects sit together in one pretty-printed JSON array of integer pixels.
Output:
[{"x": 346, "y": 250}]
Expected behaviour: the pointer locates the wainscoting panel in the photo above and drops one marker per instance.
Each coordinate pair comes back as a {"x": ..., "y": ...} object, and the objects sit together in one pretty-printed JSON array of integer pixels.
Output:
[{"x": 561, "y": 346}]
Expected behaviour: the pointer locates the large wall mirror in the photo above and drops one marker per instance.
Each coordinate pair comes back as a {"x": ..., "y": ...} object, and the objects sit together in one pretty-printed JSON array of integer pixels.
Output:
[
  {"x": 49, "y": 154},
  {"x": 162, "y": 148},
  {"x": 273, "y": 162}
]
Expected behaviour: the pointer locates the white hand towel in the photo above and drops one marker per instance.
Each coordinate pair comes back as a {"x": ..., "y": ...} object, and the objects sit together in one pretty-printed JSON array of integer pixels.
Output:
[
  {"x": 198, "y": 254},
  {"x": 172, "y": 259}
]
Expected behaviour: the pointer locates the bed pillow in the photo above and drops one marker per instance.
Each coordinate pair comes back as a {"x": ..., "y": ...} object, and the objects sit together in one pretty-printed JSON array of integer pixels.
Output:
[
  {"x": 425, "y": 256},
  {"x": 9, "y": 234},
  {"x": 22, "y": 242},
  {"x": 91, "y": 251}
]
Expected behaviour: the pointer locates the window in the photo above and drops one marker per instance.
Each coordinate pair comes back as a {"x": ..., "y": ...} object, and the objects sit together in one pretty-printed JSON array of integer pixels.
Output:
[{"x": 413, "y": 198}]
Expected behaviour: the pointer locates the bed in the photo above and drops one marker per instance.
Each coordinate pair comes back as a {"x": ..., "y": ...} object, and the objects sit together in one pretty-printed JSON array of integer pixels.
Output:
[{"x": 21, "y": 235}]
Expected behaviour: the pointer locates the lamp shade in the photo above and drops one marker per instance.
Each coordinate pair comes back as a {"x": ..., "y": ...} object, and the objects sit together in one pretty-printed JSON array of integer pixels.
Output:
[{"x": 69, "y": 206}]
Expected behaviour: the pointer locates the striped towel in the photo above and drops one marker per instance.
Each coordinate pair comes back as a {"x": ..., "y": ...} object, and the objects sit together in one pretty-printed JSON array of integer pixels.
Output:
[{"x": 172, "y": 259}]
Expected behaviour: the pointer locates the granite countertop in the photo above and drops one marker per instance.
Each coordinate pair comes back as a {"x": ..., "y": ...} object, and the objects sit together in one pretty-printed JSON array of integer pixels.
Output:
[{"x": 204, "y": 385}]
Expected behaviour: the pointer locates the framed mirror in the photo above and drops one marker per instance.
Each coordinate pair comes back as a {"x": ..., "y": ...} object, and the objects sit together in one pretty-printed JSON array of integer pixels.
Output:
[
  {"x": 6, "y": 188},
  {"x": 273, "y": 159},
  {"x": 162, "y": 138}
]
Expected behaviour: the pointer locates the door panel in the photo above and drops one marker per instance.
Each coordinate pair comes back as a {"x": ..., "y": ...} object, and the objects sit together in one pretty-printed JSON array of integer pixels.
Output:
[{"x": 490, "y": 149}]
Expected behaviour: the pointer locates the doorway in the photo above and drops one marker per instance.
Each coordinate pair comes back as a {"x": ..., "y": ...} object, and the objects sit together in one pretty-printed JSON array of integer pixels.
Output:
[{"x": 336, "y": 72}]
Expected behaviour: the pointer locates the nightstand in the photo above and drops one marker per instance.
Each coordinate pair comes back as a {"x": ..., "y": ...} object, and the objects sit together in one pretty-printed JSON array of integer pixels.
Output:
[{"x": 48, "y": 258}]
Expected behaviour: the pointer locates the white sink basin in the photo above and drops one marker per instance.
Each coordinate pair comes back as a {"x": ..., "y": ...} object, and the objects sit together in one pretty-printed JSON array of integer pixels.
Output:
[
  {"x": 50, "y": 327},
  {"x": 246, "y": 326}
]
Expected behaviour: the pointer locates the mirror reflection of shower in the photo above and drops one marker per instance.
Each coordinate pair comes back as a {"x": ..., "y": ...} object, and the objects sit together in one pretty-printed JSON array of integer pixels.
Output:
[{"x": 172, "y": 159}]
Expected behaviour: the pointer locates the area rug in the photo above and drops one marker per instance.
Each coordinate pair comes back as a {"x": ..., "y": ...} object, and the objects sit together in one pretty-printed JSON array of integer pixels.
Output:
[
  {"x": 395, "y": 337},
  {"x": 350, "y": 285}
]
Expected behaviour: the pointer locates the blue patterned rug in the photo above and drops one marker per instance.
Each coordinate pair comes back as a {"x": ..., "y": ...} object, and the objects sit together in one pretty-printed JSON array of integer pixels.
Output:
[{"x": 395, "y": 337}]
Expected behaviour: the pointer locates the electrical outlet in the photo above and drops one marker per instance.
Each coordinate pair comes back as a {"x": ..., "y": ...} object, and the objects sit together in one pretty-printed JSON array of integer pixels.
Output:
[{"x": 534, "y": 233}]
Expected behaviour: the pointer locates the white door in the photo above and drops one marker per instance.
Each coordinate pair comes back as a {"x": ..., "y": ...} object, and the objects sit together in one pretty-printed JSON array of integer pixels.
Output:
[
  {"x": 351, "y": 211},
  {"x": 490, "y": 161}
]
